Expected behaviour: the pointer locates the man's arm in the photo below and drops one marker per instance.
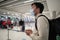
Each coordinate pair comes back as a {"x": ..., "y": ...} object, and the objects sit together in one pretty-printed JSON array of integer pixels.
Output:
[{"x": 43, "y": 29}]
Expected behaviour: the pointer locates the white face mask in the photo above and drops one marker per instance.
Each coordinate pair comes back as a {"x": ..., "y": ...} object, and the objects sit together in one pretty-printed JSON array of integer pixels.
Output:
[{"x": 32, "y": 12}]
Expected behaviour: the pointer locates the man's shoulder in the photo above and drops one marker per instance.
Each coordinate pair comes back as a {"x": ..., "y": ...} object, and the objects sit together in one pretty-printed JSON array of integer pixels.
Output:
[{"x": 42, "y": 18}]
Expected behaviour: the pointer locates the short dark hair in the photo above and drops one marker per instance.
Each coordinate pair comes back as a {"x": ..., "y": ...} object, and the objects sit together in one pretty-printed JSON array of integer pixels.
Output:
[{"x": 38, "y": 5}]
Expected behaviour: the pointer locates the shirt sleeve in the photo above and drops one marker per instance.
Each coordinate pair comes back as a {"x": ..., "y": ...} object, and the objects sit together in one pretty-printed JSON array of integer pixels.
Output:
[{"x": 43, "y": 29}]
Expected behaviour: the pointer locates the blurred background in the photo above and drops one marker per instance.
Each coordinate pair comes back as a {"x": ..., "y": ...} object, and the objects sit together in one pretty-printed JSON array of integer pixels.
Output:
[{"x": 12, "y": 12}]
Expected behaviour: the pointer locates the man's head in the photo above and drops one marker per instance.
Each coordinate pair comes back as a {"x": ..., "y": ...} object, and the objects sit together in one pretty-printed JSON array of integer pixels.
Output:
[{"x": 37, "y": 7}]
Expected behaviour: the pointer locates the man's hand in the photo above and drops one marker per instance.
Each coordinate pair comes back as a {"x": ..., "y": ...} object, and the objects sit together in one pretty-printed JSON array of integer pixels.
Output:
[{"x": 28, "y": 32}]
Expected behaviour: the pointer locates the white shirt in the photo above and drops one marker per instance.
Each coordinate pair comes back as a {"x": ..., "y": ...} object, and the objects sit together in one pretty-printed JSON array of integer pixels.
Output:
[{"x": 43, "y": 29}]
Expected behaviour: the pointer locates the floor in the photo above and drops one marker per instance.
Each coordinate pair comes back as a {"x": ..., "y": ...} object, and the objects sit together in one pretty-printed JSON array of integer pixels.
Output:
[{"x": 14, "y": 34}]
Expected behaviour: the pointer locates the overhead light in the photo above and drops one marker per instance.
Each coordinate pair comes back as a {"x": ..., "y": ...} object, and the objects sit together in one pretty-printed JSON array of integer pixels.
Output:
[
  {"x": 28, "y": 1},
  {"x": 19, "y": 13},
  {"x": 16, "y": 14},
  {"x": 31, "y": 0},
  {"x": 4, "y": 13},
  {"x": 27, "y": 13},
  {"x": 12, "y": 14},
  {"x": 7, "y": 12}
]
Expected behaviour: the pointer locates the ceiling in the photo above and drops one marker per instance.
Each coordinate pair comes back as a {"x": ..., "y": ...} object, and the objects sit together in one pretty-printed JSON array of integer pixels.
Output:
[
  {"x": 21, "y": 6},
  {"x": 1, "y": 0}
]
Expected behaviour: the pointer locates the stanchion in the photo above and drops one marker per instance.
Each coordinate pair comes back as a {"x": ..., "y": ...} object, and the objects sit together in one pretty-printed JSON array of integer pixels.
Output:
[{"x": 8, "y": 32}]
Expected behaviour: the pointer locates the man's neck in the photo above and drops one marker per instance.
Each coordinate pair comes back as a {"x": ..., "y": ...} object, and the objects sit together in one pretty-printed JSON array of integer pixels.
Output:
[{"x": 37, "y": 15}]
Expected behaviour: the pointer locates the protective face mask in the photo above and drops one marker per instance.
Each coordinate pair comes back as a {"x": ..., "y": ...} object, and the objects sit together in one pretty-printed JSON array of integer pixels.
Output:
[{"x": 32, "y": 12}]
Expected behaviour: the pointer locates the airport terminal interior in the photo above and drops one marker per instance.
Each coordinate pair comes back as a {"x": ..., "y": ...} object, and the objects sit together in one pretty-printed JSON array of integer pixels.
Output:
[{"x": 14, "y": 11}]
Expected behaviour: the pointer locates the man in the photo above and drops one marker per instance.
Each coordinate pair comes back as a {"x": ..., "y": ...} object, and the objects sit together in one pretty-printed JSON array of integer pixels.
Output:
[
  {"x": 42, "y": 23},
  {"x": 21, "y": 23}
]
